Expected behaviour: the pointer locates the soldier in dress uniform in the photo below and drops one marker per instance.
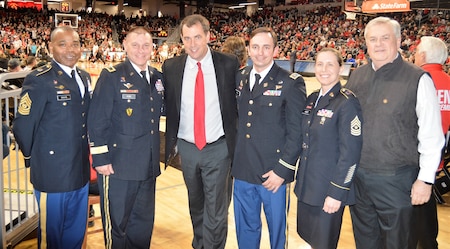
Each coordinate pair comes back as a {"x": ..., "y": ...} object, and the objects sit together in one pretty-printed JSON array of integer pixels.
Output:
[
  {"x": 332, "y": 140},
  {"x": 124, "y": 138},
  {"x": 268, "y": 142},
  {"x": 50, "y": 128}
]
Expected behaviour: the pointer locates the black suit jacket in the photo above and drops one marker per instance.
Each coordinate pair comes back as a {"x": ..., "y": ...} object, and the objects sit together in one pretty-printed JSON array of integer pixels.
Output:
[
  {"x": 50, "y": 128},
  {"x": 226, "y": 67},
  {"x": 124, "y": 122}
]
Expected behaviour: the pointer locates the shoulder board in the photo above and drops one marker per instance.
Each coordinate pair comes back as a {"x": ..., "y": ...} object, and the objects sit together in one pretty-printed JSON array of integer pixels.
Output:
[
  {"x": 42, "y": 70},
  {"x": 245, "y": 71},
  {"x": 294, "y": 76},
  {"x": 111, "y": 69},
  {"x": 154, "y": 70},
  {"x": 347, "y": 92}
]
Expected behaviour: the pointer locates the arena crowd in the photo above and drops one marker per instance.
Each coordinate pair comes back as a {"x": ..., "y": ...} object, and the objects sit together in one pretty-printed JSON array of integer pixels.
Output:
[{"x": 25, "y": 32}]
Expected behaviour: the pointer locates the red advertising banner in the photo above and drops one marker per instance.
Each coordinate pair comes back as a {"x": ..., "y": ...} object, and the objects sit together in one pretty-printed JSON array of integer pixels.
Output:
[
  {"x": 24, "y": 4},
  {"x": 380, "y": 6}
]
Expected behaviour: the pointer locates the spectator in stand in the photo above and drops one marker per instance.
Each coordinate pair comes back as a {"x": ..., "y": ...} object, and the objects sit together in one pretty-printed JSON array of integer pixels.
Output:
[
  {"x": 236, "y": 45},
  {"x": 31, "y": 63}
]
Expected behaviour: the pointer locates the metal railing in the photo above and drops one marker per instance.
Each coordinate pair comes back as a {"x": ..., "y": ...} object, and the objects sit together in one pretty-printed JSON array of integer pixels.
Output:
[{"x": 19, "y": 211}]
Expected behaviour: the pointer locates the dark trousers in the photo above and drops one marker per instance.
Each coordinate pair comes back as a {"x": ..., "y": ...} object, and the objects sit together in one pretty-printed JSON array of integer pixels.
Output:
[
  {"x": 426, "y": 225},
  {"x": 207, "y": 176},
  {"x": 128, "y": 212},
  {"x": 383, "y": 214}
]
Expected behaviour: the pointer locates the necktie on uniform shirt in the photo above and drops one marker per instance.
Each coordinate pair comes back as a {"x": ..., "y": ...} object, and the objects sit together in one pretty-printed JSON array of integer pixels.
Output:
[
  {"x": 144, "y": 75},
  {"x": 81, "y": 87},
  {"x": 317, "y": 101},
  {"x": 257, "y": 78}
]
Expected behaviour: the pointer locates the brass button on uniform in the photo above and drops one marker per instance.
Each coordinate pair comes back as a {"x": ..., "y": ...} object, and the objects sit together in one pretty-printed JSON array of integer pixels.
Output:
[
  {"x": 65, "y": 103},
  {"x": 247, "y": 136},
  {"x": 249, "y": 124},
  {"x": 250, "y": 113},
  {"x": 250, "y": 102}
]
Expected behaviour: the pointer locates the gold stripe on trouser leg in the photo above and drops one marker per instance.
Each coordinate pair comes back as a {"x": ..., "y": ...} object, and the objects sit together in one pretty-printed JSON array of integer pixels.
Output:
[
  {"x": 288, "y": 196},
  {"x": 43, "y": 219},
  {"x": 108, "y": 229}
]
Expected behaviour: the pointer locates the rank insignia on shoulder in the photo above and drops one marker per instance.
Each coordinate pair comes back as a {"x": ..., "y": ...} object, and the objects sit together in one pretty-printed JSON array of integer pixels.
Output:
[
  {"x": 25, "y": 105},
  {"x": 42, "y": 70},
  {"x": 294, "y": 76},
  {"x": 111, "y": 69},
  {"x": 355, "y": 127},
  {"x": 347, "y": 92}
]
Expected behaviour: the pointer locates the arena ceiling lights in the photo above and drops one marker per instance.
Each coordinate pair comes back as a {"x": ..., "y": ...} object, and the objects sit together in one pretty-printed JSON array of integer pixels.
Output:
[{"x": 242, "y": 5}]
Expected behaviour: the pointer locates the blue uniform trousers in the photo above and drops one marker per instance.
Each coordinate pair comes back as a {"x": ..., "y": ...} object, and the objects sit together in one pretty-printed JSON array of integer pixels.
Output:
[
  {"x": 62, "y": 218},
  {"x": 248, "y": 199}
]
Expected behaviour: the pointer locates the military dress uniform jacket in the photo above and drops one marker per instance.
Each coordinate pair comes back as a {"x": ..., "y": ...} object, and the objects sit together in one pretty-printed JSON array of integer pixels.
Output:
[
  {"x": 269, "y": 132},
  {"x": 50, "y": 128},
  {"x": 226, "y": 67},
  {"x": 124, "y": 122},
  {"x": 332, "y": 140}
]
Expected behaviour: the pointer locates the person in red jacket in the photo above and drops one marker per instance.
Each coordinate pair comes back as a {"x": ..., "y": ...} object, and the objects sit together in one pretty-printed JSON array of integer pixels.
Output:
[{"x": 431, "y": 55}]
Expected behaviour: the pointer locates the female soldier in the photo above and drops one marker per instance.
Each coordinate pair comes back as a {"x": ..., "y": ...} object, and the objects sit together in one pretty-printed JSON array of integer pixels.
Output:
[{"x": 332, "y": 140}]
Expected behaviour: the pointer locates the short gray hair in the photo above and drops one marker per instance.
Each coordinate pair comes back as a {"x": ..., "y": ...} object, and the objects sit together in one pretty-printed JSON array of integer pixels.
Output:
[
  {"x": 384, "y": 20},
  {"x": 435, "y": 49}
]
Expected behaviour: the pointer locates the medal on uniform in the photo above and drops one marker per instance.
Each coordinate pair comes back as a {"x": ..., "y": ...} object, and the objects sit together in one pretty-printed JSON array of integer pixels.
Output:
[{"x": 322, "y": 120}]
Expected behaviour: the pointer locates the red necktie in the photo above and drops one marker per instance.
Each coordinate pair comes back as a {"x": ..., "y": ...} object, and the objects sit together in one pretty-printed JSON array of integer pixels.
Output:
[{"x": 199, "y": 110}]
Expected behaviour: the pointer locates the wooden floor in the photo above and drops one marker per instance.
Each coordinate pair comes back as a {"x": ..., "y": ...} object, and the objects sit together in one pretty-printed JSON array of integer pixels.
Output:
[{"x": 173, "y": 228}]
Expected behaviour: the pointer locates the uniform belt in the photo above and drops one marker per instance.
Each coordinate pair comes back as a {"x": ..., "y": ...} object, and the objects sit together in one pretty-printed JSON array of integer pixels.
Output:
[{"x": 218, "y": 140}]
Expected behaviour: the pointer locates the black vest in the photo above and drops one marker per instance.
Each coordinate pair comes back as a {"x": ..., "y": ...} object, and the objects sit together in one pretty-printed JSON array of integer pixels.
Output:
[{"x": 388, "y": 99}]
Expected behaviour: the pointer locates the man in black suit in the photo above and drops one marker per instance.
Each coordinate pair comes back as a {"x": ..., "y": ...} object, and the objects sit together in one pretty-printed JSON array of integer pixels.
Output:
[
  {"x": 268, "y": 142},
  {"x": 50, "y": 128},
  {"x": 124, "y": 135},
  {"x": 206, "y": 158}
]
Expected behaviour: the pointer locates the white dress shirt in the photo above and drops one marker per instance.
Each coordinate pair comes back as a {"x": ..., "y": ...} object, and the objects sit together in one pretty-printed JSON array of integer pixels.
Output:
[{"x": 213, "y": 116}]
